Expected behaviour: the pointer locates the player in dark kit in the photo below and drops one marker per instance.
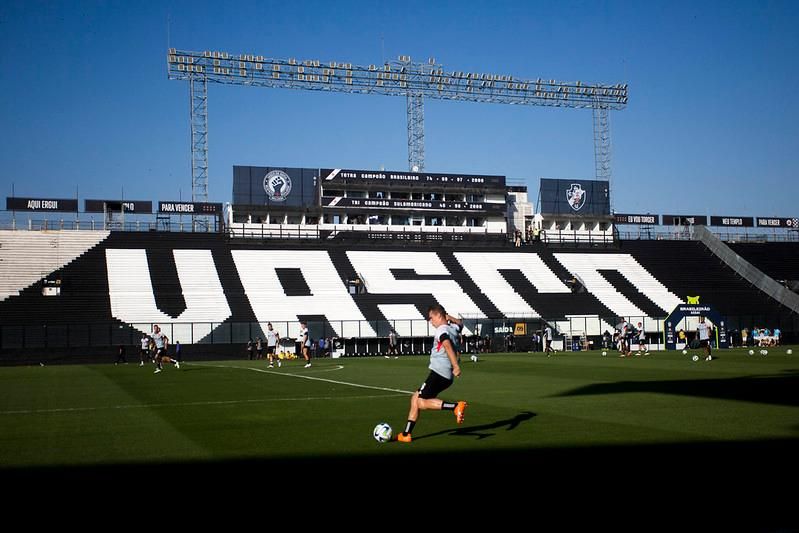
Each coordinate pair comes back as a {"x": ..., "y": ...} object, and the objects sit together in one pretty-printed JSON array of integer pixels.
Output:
[{"x": 444, "y": 368}]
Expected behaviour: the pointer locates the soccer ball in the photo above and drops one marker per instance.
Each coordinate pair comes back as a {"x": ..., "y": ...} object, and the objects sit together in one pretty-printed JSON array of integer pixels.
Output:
[
  {"x": 382, "y": 432},
  {"x": 604, "y": 354},
  {"x": 695, "y": 358},
  {"x": 789, "y": 351},
  {"x": 751, "y": 352},
  {"x": 685, "y": 352},
  {"x": 473, "y": 358},
  {"x": 763, "y": 352}
]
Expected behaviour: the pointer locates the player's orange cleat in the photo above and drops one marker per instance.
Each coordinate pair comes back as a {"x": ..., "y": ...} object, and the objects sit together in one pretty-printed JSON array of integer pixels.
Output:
[
  {"x": 404, "y": 437},
  {"x": 460, "y": 411}
]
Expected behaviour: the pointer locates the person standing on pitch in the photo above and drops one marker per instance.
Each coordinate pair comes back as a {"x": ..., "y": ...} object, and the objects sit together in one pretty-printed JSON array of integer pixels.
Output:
[
  {"x": 443, "y": 369},
  {"x": 161, "y": 344},
  {"x": 145, "y": 348},
  {"x": 121, "y": 355},
  {"x": 259, "y": 348},
  {"x": 703, "y": 333},
  {"x": 642, "y": 345},
  {"x": 272, "y": 338},
  {"x": 392, "y": 343},
  {"x": 548, "y": 340},
  {"x": 305, "y": 343}
]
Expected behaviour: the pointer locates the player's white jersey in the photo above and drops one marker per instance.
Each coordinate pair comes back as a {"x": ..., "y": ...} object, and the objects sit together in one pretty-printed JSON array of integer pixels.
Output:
[{"x": 159, "y": 339}]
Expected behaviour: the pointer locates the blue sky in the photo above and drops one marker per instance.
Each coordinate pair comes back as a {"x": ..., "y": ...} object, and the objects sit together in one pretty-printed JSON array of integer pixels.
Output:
[{"x": 711, "y": 126}]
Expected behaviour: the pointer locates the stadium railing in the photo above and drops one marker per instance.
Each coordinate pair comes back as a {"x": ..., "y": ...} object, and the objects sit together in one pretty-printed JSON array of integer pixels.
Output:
[{"x": 359, "y": 335}]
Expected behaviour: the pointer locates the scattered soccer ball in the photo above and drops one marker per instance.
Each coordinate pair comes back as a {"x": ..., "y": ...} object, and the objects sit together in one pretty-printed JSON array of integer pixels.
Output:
[
  {"x": 695, "y": 358},
  {"x": 473, "y": 358},
  {"x": 382, "y": 432},
  {"x": 751, "y": 352},
  {"x": 763, "y": 352},
  {"x": 604, "y": 354},
  {"x": 685, "y": 352},
  {"x": 789, "y": 351}
]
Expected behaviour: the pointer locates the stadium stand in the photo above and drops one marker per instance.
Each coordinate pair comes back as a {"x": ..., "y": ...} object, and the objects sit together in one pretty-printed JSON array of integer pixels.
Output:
[
  {"x": 485, "y": 269},
  {"x": 222, "y": 289},
  {"x": 28, "y": 256},
  {"x": 777, "y": 259}
]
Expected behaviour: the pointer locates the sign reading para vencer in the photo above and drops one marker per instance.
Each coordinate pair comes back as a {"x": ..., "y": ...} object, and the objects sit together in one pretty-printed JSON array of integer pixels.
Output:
[{"x": 189, "y": 208}]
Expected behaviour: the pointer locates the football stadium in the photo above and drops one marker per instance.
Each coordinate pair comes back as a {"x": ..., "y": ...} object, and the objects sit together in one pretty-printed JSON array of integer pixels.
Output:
[{"x": 288, "y": 327}]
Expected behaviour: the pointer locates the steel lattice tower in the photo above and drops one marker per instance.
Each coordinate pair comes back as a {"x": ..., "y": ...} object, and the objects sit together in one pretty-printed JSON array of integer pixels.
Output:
[
  {"x": 198, "y": 89},
  {"x": 414, "y": 81},
  {"x": 602, "y": 145}
]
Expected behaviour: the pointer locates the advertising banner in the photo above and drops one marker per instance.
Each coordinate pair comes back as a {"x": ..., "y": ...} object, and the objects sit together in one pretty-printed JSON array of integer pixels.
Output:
[
  {"x": 275, "y": 186},
  {"x": 574, "y": 197},
  {"x": 332, "y": 176},
  {"x": 189, "y": 208},
  {"x": 130, "y": 206},
  {"x": 740, "y": 222},
  {"x": 636, "y": 219},
  {"x": 426, "y": 205},
  {"x": 684, "y": 220},
  {"x": 41, "y": 204},
  {"x": 771, "y": 222}
]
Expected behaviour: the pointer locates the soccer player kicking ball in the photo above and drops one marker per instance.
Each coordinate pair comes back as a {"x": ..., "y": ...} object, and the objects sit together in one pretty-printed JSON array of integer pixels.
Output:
[{"x": 443, "y": 369}]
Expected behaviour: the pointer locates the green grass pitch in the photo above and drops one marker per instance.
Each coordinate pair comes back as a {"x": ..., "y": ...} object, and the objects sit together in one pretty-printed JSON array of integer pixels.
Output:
[{"x": 240, "y": 410}]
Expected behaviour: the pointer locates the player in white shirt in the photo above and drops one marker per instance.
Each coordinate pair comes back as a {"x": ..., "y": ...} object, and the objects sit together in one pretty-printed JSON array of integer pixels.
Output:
[
  {"x": 305, "y": 342},
  {"x": 703, "y": 333},
  {"x": 145, "y": 348},
  {"x": 444, "y": 368},
  {"x": 548, "y": 340},
  {"x": 161, "y": 344},
  {"x": 642, "y": 344},
  {"x": 272, "y": 340}
]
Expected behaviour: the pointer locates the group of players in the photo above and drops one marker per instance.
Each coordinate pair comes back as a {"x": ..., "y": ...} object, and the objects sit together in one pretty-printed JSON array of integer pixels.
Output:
[
  {"x": 444, "y": 362},
  {"x": 624, "y": 336},
  {"x": 273, "y": 341},
  {"x": 154, "y": 349}
]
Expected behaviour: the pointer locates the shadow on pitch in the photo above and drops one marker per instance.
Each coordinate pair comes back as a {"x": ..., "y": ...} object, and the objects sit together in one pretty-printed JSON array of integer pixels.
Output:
[
  {"x": 780, "y": 389},
  {"x": 483, "y": 431}
]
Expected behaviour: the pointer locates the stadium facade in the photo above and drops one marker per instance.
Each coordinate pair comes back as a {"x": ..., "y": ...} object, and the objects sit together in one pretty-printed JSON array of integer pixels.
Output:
[{"x": 359, "y": 253}]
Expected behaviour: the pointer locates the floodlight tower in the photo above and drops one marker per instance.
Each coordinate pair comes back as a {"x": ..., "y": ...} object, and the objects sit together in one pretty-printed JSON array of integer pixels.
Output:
[{"x": 414, "y": 81}]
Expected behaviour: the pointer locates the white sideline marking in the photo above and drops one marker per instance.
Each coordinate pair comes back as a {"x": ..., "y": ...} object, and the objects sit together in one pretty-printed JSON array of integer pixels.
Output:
[
  {"x": 309, "y": 377},
  {"x": 189, "y": 404}
]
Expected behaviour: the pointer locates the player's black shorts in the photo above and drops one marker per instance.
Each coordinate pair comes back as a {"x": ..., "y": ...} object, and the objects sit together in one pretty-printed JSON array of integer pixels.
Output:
[
  {"x": 434, "y": 385},
  {"x": 160, "y": 351},
  {"x": 270, "y": 350},
  {"x": 704, "y": 342}
]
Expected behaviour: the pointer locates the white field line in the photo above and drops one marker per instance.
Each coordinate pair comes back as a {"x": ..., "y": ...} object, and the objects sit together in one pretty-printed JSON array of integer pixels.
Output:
[
  {"x": 232, "y": 402},
  {"x": 190, "y": 404},
  {"x": 302, "y": 376}
]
